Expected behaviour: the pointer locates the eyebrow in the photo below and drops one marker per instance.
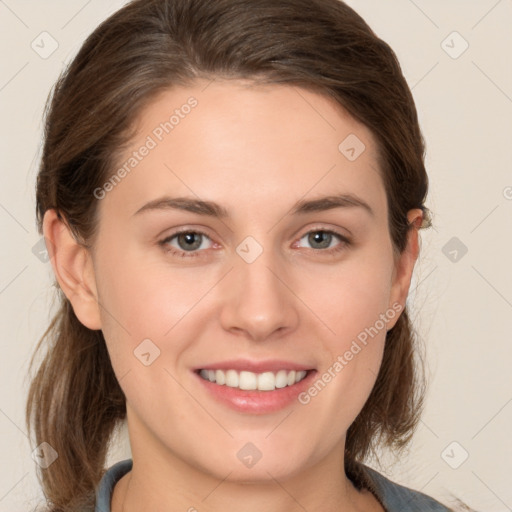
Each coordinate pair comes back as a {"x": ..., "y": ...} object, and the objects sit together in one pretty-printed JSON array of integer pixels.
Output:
[{"x": 213, "y": 209}]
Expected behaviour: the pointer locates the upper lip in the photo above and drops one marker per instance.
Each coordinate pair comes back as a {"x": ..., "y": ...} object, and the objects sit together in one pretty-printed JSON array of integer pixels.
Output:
[{"x": 270, "y": 365}]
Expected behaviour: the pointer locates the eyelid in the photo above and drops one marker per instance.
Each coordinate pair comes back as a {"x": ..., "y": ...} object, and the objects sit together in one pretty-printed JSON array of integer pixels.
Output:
[{"x": 338, "y": 231}]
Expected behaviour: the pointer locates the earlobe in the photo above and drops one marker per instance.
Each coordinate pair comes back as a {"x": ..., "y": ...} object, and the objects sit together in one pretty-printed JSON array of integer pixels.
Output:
[
  {"x": 73, "y": 269},
  {"x": 405, "y": 264}
]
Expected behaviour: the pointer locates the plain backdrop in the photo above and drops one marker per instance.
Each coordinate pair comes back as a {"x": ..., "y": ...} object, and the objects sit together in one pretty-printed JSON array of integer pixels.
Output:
[{"x": 456, "y": 57}]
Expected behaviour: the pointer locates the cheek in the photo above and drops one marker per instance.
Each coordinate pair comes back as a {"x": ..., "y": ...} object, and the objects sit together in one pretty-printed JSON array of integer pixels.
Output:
[
  {"x": 353, "y": 304},
  {"x": 351, "y": 363},
  {"x": 349, "y": 298},
  {"x": 144, "y": 297},
  {"x": 143, "y": 301}
]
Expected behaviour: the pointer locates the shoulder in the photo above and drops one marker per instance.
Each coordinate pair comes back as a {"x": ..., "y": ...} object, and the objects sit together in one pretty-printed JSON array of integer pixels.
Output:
[
  {"x": 397, "y": 498},
  {"x": 107, "y": 483}
]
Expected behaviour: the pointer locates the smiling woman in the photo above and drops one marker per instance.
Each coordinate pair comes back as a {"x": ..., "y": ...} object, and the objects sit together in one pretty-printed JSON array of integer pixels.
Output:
[{"x": 238, "y": 295}]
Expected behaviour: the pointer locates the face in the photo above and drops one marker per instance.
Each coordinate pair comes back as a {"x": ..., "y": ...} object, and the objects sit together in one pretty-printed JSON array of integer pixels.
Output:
[{"x": 266, "y": 276}]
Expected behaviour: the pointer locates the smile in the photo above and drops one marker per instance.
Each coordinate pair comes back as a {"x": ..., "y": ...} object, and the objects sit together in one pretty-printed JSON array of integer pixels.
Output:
[{"x": 250, "y": 381}]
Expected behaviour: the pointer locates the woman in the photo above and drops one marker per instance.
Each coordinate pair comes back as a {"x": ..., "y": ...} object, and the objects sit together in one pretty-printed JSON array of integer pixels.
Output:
[{"x": 231, "y": 194}]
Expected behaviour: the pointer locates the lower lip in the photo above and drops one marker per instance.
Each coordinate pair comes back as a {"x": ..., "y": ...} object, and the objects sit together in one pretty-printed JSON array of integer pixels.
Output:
[{"x": 257, "y": 402}]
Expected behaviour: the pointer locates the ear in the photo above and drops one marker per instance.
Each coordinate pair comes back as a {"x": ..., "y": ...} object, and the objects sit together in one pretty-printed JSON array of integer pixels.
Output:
[
  {"x": 404, "y": 265},
  {"x": 73, "y": 267}
]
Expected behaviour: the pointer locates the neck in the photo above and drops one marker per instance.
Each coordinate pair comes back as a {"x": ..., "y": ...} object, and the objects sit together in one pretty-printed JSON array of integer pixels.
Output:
[
  {"x": 162, "y": 479},
  {"x": 322, "y": 487}
]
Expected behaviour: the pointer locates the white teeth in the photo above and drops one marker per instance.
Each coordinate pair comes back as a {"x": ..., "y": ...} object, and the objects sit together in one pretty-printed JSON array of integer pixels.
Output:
[
  {"x": 231, "y": 378},
  {"x": 281, "y": 379},
  {"x": 248, "y": 380},
  {"x": 220, "y": 377},
  {"x": 267, "y": 381}
]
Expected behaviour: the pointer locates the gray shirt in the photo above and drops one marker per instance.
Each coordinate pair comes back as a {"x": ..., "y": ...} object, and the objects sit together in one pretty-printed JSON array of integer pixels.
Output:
[{"x": 393, "y": 497}]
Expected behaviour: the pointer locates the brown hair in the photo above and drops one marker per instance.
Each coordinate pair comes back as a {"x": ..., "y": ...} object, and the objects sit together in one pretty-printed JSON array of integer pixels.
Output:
[{"x": 74, "y": 400}]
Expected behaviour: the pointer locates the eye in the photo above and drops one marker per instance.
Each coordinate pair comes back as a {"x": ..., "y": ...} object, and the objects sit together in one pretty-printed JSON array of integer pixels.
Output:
[
  {"x": 321, "y": 239},
  {"x": 187, "y": 243}
]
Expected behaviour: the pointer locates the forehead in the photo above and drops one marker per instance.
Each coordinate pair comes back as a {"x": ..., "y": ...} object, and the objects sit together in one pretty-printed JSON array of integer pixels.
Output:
[{"x": 232, "y": 141}]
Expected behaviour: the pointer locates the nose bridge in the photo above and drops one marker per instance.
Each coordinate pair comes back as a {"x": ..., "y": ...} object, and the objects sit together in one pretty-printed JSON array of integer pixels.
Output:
[
  {"x": 259, "y": 282},
  {"x": 259, "y": 303}
]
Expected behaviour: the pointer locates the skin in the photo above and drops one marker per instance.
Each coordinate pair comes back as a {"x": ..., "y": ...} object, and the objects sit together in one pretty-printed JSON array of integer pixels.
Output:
[{"x": 255, "y": 150}]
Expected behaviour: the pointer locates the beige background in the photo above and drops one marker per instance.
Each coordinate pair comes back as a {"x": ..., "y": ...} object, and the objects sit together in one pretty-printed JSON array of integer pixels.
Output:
[{"x": 462, "y": 303}]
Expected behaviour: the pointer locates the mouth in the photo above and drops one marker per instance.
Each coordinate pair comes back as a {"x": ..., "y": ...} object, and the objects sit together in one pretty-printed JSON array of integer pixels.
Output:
[
  {"x": 254, "y": 388},
  {"x": 251, "y": 381}
]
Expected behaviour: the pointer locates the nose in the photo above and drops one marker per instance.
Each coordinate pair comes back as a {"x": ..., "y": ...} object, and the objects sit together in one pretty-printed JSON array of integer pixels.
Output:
[{"x": 258, "y": 298}]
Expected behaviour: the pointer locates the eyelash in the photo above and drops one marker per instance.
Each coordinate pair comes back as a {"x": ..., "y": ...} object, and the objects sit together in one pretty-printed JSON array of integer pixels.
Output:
[{"x": 191, "y": 254}]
